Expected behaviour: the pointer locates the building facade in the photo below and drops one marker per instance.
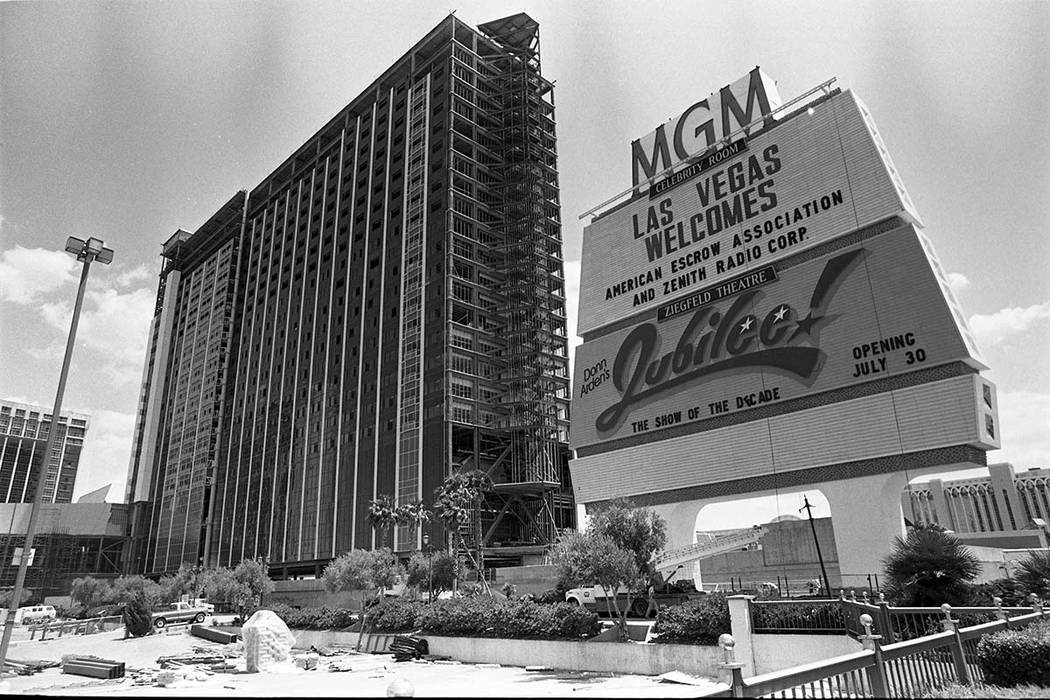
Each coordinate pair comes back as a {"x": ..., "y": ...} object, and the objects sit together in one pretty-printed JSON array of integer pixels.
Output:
[
  {"x": 397, "y": 313},
  {"x": 23, "y": 432},
  {"x": 1006, "y": 508}
]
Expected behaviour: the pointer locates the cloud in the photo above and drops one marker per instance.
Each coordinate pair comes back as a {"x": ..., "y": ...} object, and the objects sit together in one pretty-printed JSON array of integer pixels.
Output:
[
  {"x": 113, "y": 324},
  {"x": 107, "y": 450},
  {"x": 1023, "y": 420},
  {"x": 958, "y": 282},
  {"x": 28, "y": 274},
  {"x": 994, "y": 328}
]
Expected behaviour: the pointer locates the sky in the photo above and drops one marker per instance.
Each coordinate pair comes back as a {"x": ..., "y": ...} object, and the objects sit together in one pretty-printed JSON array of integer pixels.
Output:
[{"x": 126, "y": 121}]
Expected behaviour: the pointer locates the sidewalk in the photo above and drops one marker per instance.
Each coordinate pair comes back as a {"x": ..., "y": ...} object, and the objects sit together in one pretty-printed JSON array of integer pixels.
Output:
[{"x": 370, "y": 675}]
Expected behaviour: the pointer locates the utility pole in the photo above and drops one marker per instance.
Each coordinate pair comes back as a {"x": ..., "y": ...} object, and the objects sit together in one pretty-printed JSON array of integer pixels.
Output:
[
  {"x": 820, "y": 557},
  {"x": 86, "y": 252}
]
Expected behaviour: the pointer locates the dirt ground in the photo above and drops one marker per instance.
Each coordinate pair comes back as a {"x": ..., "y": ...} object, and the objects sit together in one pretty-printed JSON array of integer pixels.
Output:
[{"x": 368, "y": 675}]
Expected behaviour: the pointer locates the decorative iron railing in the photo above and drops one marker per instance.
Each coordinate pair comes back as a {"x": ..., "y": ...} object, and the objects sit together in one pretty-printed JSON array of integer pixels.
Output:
[{"x": 902, "y": 669}]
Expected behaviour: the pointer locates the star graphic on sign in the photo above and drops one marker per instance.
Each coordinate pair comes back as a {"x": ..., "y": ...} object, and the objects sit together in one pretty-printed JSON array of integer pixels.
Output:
[
  {"x": 746, "y": 324},
  {"x": 781, "y": 313},
  {"x": 810, "y": 325}
]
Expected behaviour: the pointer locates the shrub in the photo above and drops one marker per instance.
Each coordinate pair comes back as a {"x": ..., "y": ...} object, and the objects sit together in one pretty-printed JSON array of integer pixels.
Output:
[
  {"x": 396, "y": 615},
  {"x": 463, "y": 617},
  {"x": 138, "y": 620},
  {"x": 553, "y": 595},
  {"x": 323, "y": 618},
  {"x": 695, "y": 622},
  {"x": 986, "y": 691},
  {"x": 1015, "y": 657},
  {"x": 1006, "y": 589}
]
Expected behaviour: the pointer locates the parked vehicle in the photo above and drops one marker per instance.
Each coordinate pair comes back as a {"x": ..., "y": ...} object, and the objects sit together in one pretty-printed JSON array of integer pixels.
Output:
[
  {"x": 203, "y": 604},
  {"x": 35, "y": 613},
  {"x": 178, "y": 612},
  {"x": 595, "y": 598}
]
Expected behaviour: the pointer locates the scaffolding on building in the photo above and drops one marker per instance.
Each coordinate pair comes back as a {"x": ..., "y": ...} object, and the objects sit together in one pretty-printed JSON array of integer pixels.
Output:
[{"x": 525, "y": 459}]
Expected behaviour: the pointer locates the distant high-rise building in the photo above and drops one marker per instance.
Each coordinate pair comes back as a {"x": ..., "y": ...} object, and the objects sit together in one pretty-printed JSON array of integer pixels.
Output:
[
  {"x": 23, "y": 432},
  {"x": 387, "y": 307}
]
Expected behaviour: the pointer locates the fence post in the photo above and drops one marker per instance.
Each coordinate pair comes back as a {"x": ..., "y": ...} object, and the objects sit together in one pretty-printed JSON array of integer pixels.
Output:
[
  {"x": 886, "y": 620},
  {"x": 735, "y": 676},
  {"x": 740, "y": 622},
  {"x": 962, "y": 673},
  {"x": 877, "y": 673}
]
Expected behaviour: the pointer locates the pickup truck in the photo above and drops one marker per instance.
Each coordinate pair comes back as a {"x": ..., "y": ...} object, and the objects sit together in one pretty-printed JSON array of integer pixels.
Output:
[
  {"x": 178, "y": 612},
  {"x": 595, "y": 599}
]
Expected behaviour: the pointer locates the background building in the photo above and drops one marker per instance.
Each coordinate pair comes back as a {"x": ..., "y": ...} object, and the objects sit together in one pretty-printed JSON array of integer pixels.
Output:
[
  {"x": 398, "y": 312},
  {"x": 23, "y": 435},
  {"x": 1004, "y": 509},
  {"x": 177, "y": 428},
  {"x": 71, "y": 540}
]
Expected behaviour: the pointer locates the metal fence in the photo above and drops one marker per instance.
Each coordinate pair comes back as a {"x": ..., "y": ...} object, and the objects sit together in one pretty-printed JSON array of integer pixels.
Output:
[
  {"x": 88, "y": 626},
  {"x": 895, "y": 624},
  {"x": 902, "y": 669}
]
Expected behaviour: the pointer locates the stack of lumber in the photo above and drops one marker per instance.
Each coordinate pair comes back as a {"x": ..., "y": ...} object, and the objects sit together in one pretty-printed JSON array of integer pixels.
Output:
[
  {"x": 213, "y": 635},
  {"x": 92, "y": 666},
  {"x": 407, "y": 648}
]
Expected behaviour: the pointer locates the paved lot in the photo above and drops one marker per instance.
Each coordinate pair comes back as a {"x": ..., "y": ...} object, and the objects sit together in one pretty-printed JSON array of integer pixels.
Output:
[{"x": 370, "y": 675}]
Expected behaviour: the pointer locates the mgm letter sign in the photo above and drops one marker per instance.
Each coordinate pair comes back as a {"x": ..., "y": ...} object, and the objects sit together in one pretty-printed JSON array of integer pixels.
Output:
[{"x": 766, "y": 301}]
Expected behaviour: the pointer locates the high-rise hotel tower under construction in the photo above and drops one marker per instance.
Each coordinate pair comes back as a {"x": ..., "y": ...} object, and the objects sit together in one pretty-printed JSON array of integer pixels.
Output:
[{"x": 387, "y": 307}]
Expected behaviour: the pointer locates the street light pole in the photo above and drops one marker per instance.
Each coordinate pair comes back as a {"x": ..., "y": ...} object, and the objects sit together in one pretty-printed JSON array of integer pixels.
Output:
[
  {"x": 87, "y": 252},
  {"x": 430, "y": 569}
]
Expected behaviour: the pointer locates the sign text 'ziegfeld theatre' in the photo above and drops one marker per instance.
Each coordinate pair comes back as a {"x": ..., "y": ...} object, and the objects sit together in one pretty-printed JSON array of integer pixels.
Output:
[{"x": 825, "y": 324}]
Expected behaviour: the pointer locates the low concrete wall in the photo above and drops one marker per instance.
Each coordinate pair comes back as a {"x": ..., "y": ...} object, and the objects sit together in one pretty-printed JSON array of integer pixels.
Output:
[
  {"x": 605, "y": 657},
  {"x": 774, "y": 652}
]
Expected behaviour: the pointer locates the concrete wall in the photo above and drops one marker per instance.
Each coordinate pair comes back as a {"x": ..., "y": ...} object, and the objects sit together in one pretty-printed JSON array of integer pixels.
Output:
[
  {"x": 774, "y": 652},
  {"x": 602, "y": 657}
]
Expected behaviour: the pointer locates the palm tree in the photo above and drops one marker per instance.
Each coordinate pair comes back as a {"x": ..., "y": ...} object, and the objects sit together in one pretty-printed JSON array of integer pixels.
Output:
[
  {"x": 382, "y": 514},
  {"x": 930, "y": 567},
  {"x": 1033, "y": 573}
]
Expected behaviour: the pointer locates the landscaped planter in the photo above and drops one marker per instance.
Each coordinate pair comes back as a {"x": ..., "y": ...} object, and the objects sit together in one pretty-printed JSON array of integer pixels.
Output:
[{"x": 611, "y": 657}]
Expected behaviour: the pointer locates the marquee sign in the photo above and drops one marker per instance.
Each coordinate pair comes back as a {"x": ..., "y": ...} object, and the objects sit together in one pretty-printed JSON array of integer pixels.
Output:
[
  {"x": 704, "y": 124},
  {"x": 740, "y": 207},
  {"x": 844, "y": 318}
]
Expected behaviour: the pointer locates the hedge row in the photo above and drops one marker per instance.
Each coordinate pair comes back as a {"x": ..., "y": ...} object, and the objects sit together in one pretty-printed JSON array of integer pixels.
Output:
[
  {"x": 698, "y": 621},
  {"x": 314, "y": 618},
  {"x": 1015, "y": 657},
  {"x": 463, "y": 617}
]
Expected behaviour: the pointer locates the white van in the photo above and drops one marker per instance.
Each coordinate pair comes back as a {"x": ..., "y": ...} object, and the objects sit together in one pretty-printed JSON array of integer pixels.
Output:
[{"x": 34, "y": 613}]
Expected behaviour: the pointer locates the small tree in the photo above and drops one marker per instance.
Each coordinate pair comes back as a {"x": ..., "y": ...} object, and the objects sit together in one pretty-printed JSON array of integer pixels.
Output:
[
  {"x": 90, "y": 592},
  {"x": 930, "y": 567},
  {"x": 362, "y": 570},
  {"x": 640, "y": 531},
  {"x": 1033, "y": 573},
  {"x": 585, "y": 558},
  {"x": 436, "y": 571},
  {"x": 456, "y": 503},
  {"x": 125, "y": 587},
  {"x": 25, "y": 596}
]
